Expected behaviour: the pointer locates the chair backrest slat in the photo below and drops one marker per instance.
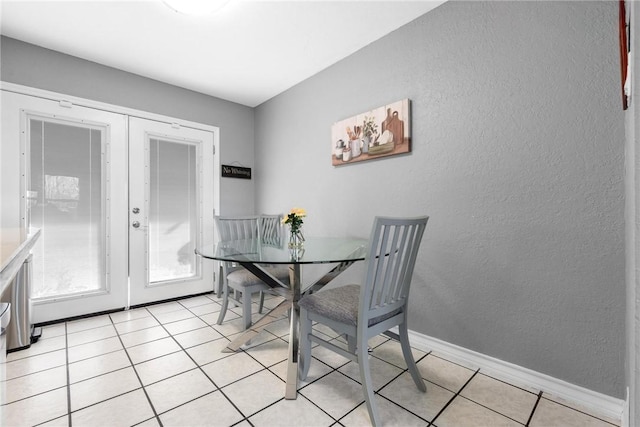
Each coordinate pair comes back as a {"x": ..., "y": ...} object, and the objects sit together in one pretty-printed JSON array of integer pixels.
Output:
[
  {"x": 271, "y": 229},
  {"x": 407, "y": 242},
  {"x": 395, "y": 267},
  {"x": 393, "y": 249}
]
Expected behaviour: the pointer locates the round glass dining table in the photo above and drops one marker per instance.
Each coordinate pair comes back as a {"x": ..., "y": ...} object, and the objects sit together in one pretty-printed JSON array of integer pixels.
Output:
[{"x": 253, "y": 254}]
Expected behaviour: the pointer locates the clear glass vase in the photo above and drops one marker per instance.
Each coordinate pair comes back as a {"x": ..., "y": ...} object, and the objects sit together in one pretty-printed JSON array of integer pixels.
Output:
[{"x": 296, "y": 240}]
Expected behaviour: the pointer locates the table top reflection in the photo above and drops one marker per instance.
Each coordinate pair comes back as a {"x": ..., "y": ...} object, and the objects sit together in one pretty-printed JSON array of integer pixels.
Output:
[{"x": 315, "y": 250}]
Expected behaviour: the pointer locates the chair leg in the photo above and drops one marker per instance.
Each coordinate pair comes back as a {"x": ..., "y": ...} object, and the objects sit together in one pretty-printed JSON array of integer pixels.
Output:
[
  {"x": 408, "y": 357},
  {"x": 367, "y": 384},
  {"x": 246, "y": 308},
  {"x": 261, "y": 302},
  {"x": 225, "y": 303},
  {"x": 219, "y": 281},
  {"x": 305, "y": 345}
]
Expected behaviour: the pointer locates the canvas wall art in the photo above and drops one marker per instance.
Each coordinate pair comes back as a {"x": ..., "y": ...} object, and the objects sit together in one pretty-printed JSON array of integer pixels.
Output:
[{"x": 375, "y": 134}]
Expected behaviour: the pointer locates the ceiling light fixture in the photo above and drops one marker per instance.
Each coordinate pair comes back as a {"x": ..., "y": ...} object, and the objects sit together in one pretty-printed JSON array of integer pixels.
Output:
[{"x": 196, "y": 7}]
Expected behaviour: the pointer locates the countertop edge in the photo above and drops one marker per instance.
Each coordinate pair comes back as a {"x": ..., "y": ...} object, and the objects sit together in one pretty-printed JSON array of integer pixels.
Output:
[{"x": 14, "y": 262}]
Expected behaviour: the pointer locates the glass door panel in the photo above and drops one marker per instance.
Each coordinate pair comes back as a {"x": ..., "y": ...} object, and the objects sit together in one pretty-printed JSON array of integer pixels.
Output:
[
  {"x": 66, "y": 203},
  {"x": 173, "y": 210}
]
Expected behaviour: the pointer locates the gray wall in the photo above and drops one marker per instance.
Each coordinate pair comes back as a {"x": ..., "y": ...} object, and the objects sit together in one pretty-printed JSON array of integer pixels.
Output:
[
  {"x": 518, "y": 145},
  {"x": 632, "y": 210},
  {"x": 30, "y": 65}
]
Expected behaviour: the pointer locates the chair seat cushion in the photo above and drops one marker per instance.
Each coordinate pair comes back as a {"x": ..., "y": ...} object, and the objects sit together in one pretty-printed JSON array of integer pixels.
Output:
[
  {"x": 243, "y": 277},
  {"x": 339, "y": 304}
]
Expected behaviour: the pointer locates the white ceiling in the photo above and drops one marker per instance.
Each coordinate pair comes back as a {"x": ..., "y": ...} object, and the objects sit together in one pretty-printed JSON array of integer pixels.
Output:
[{"x": 248, "y": 52}]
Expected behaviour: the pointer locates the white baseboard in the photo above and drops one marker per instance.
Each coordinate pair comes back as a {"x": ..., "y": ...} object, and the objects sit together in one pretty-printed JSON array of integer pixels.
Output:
[{"x": 525, "y": 378}]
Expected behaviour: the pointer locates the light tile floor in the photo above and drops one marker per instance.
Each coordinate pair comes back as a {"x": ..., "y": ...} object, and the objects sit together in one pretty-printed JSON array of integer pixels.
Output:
[{"x": 162, "y": 365}]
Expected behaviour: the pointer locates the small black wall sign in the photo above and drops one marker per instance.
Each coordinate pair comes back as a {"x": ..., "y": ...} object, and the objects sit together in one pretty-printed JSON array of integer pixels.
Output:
[{"x": 236, "y": 172}]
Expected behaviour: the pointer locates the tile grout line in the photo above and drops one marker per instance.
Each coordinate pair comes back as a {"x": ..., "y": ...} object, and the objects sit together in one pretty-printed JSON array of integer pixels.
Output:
[
  {"x": 337, "y": 421},
  {"x": 200, "y": 367},
  {"x": 264, "y": 368},
  {"x": 66, "y": 355},
  {"x": 160, "y": 324},
  {"x": 31, "y": 373},
  {"x": 454, "y": 397},
  {"x": 376, "y": 392},
  {"x": 188, "y": 355},
  {"x": 67, "y": 386},
  {"x": 395, "y": 378},
  {"x": 579, "y": 411},
  {"x": 316, "y": 380},
  {"x": 535, "y": 406},
  {"x": 491, "y": 409},
  {"x": 540, "y": 397},
  {"x": 155, "y": 413}
]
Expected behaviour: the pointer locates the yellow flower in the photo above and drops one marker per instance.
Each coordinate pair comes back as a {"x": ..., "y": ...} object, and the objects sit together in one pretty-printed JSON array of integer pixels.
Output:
[
  {"x": 294, "y": 218},
  {"x": 299, "y": 212}
]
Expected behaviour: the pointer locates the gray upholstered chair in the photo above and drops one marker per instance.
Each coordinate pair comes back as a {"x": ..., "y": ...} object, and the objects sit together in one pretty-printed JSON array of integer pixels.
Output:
[
  {"x": 237, "y": 279},
  {"x": 363, "y": 311}
]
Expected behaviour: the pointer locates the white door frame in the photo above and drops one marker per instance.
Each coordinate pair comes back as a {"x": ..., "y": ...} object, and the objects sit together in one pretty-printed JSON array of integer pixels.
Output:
[{"x": 141, "y": 131}]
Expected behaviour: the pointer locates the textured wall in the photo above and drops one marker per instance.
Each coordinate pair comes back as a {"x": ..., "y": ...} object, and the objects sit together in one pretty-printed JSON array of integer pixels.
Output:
[
  {"x": 518, "y": 140},
  {"x": 30, "y": 65},
  {"x": 632, "y": 156}
]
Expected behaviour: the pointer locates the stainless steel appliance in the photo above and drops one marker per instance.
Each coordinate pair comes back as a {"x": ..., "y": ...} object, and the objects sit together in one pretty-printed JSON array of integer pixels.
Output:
[
  {"x": 5, "y": 317},
  {"x": 18, "y": 294}
]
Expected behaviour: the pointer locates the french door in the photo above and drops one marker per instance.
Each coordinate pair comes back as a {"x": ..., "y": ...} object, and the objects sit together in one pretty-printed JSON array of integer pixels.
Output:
[
  {"x": 170, "y": 210},
  {"x": 121, "y": 203}
]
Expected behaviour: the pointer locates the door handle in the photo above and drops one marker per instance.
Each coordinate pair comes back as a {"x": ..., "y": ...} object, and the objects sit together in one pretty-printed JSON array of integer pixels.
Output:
[{"x": 135, "y": 224}]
